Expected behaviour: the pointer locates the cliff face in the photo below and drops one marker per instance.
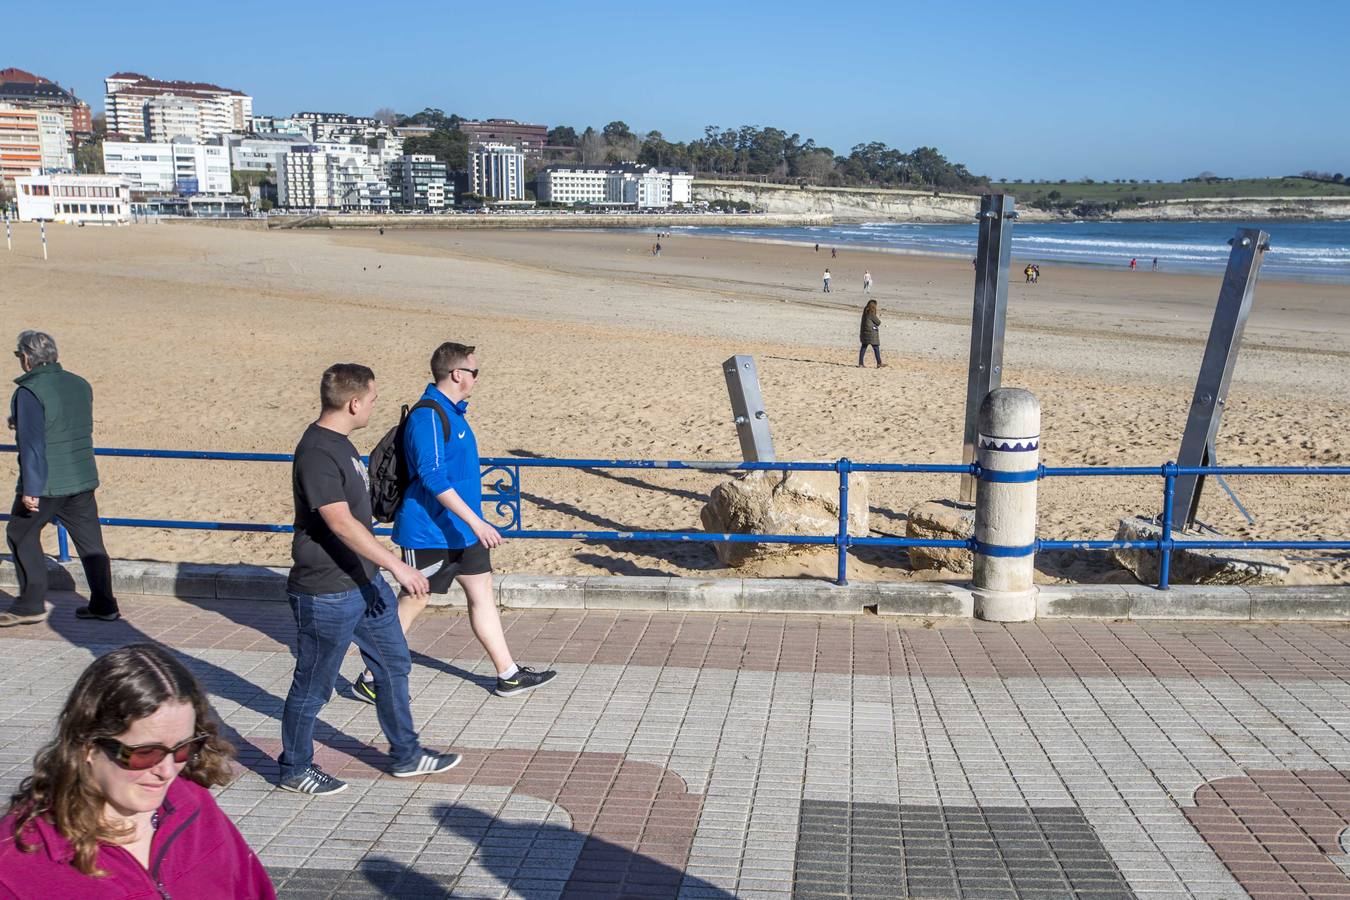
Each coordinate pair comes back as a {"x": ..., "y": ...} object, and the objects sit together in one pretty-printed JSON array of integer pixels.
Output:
[
  {"x": 874, "y": 205},
  {"x": 843, "y": 204}
]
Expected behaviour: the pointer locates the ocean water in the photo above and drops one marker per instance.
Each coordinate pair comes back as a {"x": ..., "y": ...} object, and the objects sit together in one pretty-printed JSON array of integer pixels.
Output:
[{"x": 1309, "y": 251}]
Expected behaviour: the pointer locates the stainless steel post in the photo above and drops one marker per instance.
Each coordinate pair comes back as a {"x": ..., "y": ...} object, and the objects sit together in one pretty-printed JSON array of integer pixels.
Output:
[
  {"x": 747, "y": 407},
  {"x": 1216, "y": 370},
  {"x": 992, "y": 259}
]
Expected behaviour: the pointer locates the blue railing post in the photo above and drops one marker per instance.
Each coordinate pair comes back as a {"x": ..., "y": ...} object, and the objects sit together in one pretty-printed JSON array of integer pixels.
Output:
[
  {"x": 1169, "y": 471},
  {"x": 844, "y": 465},
  {"x": 62, "y": 543}
]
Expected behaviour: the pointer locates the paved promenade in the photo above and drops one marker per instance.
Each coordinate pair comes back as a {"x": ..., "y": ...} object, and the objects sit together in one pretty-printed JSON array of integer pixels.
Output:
[{"x": 718, "y": 755}]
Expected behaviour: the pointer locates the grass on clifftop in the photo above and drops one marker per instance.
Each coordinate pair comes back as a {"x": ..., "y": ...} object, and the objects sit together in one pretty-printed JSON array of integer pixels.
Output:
[{"x": 1133, "y": 193}]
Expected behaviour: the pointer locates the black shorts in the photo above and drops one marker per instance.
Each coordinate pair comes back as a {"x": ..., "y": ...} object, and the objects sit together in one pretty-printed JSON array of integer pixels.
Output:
[{"x": 442, "y": 566}]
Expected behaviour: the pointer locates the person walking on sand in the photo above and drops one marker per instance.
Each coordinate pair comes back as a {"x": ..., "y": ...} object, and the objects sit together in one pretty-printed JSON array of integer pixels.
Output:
[
  {"x": 1035, "y": 274},
  {"x": 817, "y": 248},
  {"x": 867, "y": 282},
  {"x": 1133, "y": 263},
  {"x": 338, "y": 597},
  {"x": 869, "y": 334},
  {"x": 52, "y": 415},
  {"x": 1155, "y": 263},
  {"x": 833, "y": 253},
  {"x": 1027, "y": 273},
  {"x": 826, "y": 279},
  {"x": 438, "y": 522}
]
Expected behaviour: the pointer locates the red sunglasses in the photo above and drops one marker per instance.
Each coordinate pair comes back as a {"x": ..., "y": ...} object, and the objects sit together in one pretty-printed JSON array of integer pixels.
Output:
[{"x": 147, "y": 756}]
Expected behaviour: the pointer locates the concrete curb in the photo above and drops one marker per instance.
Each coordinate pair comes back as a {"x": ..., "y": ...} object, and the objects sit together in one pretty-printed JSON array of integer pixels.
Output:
[{"x": 926, "y": 599}]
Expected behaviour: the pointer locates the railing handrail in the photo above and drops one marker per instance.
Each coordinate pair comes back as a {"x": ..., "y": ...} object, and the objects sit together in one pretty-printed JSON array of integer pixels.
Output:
[{"x": 507, "y": 496}]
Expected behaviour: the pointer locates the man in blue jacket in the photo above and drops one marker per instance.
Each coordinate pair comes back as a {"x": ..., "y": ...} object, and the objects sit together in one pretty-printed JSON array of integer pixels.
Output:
[{"x": 438, "y": 523}]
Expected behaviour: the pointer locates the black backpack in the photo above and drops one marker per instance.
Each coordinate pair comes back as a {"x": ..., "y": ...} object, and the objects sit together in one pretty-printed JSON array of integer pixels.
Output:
[{"x": 389, "y": 474}]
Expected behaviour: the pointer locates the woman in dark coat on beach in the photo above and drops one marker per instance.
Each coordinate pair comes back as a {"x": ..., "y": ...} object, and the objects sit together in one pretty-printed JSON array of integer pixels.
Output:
[{"x": 869, "y": 333}]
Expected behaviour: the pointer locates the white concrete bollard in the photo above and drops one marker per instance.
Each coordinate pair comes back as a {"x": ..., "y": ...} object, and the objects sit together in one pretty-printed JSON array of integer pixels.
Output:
[{"x": 1008, "y": 453}]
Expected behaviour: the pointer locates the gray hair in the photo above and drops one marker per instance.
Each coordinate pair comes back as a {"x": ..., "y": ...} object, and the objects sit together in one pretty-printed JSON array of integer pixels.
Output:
[{"x": 38, "y": 347}]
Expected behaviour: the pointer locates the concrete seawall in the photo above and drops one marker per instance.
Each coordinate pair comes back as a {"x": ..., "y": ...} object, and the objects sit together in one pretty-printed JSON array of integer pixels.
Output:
[
  {"x": 547, "y": 220},
  {"x": 926, "y": 599}
]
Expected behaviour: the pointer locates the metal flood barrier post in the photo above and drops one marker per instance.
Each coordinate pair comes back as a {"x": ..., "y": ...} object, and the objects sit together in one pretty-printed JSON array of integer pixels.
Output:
[
  {"x": 747, "y": 407},
  {"x": 992, "y": 259},
  {"x": 1216, "y": 371}
]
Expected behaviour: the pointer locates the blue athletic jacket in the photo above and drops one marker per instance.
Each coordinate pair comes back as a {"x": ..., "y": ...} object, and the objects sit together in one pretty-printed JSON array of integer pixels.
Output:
[{"x": 437, "y": 463}]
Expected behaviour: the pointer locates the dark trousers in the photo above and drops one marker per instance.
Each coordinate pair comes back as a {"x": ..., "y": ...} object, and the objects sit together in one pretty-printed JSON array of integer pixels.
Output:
[
  {"x": 876, "y": 351},
  {"x": 79, "y": 513}
]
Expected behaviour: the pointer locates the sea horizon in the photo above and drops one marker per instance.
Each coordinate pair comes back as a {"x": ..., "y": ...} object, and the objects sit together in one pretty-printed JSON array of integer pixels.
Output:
[{"x": 1311, "y": 251}]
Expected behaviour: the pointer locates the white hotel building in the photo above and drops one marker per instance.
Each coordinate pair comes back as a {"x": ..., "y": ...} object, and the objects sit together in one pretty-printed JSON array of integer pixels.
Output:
[
  {"x": 630, "y": 185},
  {"x": 177, "y": 167}
]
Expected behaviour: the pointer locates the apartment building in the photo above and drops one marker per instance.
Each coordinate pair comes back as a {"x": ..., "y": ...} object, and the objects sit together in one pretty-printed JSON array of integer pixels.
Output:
[
  {"x": 262, "y": 152},
  {"x": 170, "y": 167},
  {"x": 28, "y": 91},
  {"x": 210, "y": 109},
  {"x": 32, "y": 141},
  {"x": 317, "y": 178},
  {"x": 419, "y": 182},
  {"x": 72, "y": 198},
  {"x": 497, "y": 172}
]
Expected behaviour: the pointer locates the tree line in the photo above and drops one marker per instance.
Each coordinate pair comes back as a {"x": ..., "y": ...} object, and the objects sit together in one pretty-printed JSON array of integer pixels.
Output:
[{"x": 747, "y": 151}]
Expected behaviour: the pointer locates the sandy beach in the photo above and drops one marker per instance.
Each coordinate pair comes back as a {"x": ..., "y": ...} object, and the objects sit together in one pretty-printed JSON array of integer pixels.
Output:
[{"x": 199, "y": 337}]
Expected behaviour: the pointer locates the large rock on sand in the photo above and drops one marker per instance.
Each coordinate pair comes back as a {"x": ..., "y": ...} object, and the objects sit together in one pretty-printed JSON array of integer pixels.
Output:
[
  {"x": 782, "y": 503},
  {"x": 1196, "y": 566},
  {"x": 943, "y": 520}
]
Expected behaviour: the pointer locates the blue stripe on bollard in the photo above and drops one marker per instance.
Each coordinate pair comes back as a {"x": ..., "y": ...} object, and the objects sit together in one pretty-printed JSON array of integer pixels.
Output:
[
  {"x": 1001, "y": 550},
  {"x": 994, "y": 476}
]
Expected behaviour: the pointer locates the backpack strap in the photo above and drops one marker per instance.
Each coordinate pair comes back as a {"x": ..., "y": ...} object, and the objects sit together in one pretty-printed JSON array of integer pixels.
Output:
[{"x": 432, "y": 404}]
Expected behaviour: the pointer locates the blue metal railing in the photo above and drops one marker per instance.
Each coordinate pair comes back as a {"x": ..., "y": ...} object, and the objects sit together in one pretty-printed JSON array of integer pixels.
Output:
[{"x": 506, "y": 497}]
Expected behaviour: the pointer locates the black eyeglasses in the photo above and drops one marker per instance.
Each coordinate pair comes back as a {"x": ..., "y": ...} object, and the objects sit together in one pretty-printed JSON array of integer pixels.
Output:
[
  {"x": 18, "y": 354},
  {"x": 473, "y": 372},
  {"x": 147, "y": 756}
]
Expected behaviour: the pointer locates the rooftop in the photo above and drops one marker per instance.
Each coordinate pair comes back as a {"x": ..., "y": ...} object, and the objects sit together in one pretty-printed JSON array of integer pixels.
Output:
[{"x": 144, "y": 83}]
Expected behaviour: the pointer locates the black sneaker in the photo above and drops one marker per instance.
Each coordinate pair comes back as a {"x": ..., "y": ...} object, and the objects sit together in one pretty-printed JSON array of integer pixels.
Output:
[
  {"x": 314, "y": 781},
  {"x": 84, "y": 612},
  {"x": 524, "y": 681},
  {"x": 363, "y": 690},
  {"x": 427, "y": 764}
]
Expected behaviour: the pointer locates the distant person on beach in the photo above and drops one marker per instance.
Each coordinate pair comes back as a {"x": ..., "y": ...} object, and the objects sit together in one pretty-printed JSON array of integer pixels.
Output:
[
  {"x": 869, "y": 334},
  {"x": 439, "y": 523},
  {"x": 52, "y": 415},
  {"x": 118, "y": 803},
  {"x": 867, "y": 282},
  {"x": 1133, "y": 264},
  {"x": 1155, "y": 263},
  {"x": 817, "y": 248},
  {"x": 826, "y": 279},
  {"x": 338, "y": 597},
  {"x": 658, "y": 248},
  {"x": 1035, "y": 274},
  {"x": 833, "y": 253},
  {"x": 1027, "y": 273}
]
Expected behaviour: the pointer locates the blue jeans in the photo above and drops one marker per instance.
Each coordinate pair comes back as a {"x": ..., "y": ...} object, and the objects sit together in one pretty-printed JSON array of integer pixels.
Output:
[{"x": 326, "y": 625}]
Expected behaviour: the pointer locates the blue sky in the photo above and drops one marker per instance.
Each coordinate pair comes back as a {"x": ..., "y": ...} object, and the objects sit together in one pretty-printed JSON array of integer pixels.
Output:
[{"x": 1016, "y": 90}]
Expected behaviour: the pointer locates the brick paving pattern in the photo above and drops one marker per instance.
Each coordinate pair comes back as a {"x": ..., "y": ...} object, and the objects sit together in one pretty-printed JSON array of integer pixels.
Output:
[{"x": 709, "y": 755}]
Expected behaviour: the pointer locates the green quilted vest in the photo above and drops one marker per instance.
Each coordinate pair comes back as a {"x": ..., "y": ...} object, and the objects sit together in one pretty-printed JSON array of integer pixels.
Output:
[{"x": 68, "y": 407}]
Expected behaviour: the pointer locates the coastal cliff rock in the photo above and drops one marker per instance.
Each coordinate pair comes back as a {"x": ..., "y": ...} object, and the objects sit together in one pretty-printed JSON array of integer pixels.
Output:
[
  {"x": 794, "y": 503},
  {"x": 877, "y": 205}
]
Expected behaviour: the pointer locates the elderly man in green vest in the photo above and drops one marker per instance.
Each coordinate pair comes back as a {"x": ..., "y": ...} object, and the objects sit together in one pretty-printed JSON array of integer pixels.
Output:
[{"x": 52, "y": 414}]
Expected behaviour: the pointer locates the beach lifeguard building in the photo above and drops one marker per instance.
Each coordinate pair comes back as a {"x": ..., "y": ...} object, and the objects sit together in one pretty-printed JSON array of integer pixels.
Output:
[{"x": 91, "y": 199}]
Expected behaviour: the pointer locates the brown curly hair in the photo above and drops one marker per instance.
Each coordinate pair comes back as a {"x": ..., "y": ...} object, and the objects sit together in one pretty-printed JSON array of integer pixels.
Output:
[{"x": 117, "y": 689}]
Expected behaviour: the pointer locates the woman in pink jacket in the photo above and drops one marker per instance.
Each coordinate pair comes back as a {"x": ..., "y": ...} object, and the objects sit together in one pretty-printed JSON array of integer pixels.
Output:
[{"x": 118, "y": 806}]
